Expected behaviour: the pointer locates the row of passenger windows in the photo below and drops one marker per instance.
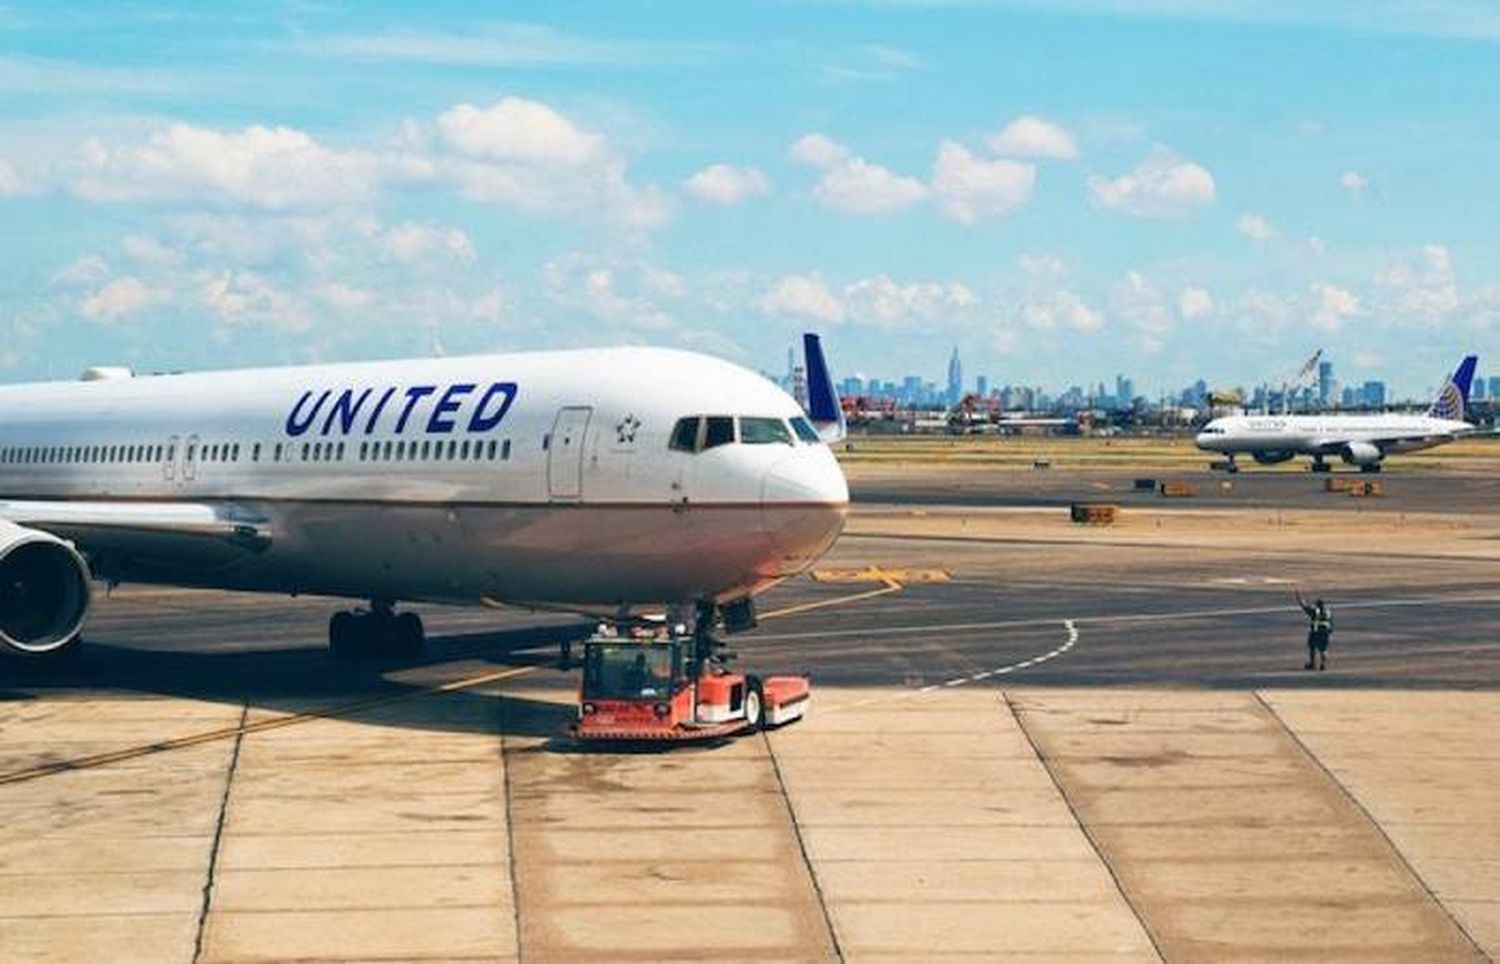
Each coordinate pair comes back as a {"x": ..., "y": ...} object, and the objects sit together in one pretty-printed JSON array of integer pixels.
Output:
[
  {"x": 449, "y": 450},
  {"x": 699, "y": 432}
]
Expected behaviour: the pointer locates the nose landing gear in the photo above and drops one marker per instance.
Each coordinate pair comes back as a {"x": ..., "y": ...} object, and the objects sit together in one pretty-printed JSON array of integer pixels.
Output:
[{"x": 378, "y": 631}]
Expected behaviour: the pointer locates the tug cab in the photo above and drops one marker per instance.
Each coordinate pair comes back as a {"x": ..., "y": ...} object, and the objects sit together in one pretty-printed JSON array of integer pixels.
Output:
[{"x": 674, "y": 688}]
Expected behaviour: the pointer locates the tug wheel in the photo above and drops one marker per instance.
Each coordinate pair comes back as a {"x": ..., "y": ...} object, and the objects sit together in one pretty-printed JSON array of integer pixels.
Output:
[{"x": 755, "y": 706}]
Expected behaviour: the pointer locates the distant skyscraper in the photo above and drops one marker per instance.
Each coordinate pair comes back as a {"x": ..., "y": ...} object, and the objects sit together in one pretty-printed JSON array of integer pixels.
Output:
[
  {"x": 1325, "y": 383},
  {"x": 1124, "y": 391},
  {"x": 1374, "y": 393},
  {"x": 955, "y": 378},
  {"x": 982, "y": 386},
  {"x": 1477, "y": 391},
  {"x": 1495, "y": 386}
]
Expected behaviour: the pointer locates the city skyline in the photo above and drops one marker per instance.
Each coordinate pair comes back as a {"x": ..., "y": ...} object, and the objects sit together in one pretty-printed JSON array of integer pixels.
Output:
[
  {"x": 1323, "y": 390},
  {"x": 1179, "y": 190}
]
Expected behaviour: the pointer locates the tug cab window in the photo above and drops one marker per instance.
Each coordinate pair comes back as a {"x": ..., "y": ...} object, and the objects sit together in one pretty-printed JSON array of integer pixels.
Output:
[{"x": 764, "y": 431}]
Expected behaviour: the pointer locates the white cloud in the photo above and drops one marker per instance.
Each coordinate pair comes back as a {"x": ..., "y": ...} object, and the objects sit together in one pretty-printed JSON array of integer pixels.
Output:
[
  {"x": 148, "y": 251},
  {"x": 1161, "y": 186},
  {"x": 818, "y": 150},
  {"x": 86, "y": 270},
  {"x": 1058, "y": 309},
  {"x": 1353, "y": 182},
  {"x": 518, "y": 130},
  {"x": 412, "y": 241},
  {"x": 239, "y": 297},
  {"x": 343, "y": 297},
  {"x": 968, "y": 189},
  {"x": 525, "y": 155},
  {"x": 1194, "y": 302},
  {"x": 856, "y": 186},
  {"x": 1135, "y": 299},
  {"x": 268, "y": 167},
  {"x": 10, "y": 181},
  {"x": 1331, "y": 306},
  {"x": 1029, "y": 136},
  {"x": 620, "y": 293},
  {"x": 727, "y": 184},
  {"x": 804, "y": 296},
  {"x": 123, "y": 296},
  {"x": 1041, "y": 264},
  {"x": 1256, "y": 228},
  {"x": 884, "y": 302},
  {"x": 1425, "y": 289}
]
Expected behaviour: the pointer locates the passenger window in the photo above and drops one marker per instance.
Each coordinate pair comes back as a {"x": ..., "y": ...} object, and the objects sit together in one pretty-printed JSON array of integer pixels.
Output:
[
  {"x": 492, "y": 449},
  {"x": 340, "y": 455},
  {"x": 463, "y": 450},
  {"x": 505, "y": 451},
  {"x": 764, "y": 431},
  {"x": 720, "y": 431},
  {"x": 685, "y": 435}
]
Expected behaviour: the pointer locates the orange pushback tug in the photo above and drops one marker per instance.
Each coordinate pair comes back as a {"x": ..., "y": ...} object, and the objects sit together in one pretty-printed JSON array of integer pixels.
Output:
[{"x": 676, "y": 689}]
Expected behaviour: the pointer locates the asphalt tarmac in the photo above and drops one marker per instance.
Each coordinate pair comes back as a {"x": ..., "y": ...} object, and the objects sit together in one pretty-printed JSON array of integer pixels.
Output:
[
  {"x": 1083, "y": 745},
  {"x": 1405, "y": 490}
]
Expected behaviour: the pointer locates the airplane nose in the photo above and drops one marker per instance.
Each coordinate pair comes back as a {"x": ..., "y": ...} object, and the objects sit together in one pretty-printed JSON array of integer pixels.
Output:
[{"x": 804, "y": 499}]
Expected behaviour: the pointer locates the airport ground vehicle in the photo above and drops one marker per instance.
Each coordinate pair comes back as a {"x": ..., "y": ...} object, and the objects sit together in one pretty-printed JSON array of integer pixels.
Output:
[{"x": 676, "y": 688}]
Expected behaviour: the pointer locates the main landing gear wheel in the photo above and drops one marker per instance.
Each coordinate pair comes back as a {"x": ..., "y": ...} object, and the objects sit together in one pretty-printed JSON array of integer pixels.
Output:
[{"x": 378, "y": 632}]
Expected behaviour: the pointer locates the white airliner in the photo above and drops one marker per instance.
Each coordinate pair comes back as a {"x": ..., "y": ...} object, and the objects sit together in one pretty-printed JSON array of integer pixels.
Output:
[
  {"x": 1362, "y": 440},
  {"x": 601, "y": 481}
]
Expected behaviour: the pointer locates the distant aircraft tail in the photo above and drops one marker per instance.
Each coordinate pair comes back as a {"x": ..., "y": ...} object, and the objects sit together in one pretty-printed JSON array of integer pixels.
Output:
[
  {"x": 823, "y": 407},
  {"x": 1452, "y": 401}
]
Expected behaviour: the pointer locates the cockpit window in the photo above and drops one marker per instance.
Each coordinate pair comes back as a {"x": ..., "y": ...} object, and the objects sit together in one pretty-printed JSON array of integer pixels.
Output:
[
  {"x": 720, "y": 431},
  {"x": 685, "y": 435},
  {"x": 805, "y": 431},
  {"x": 764, "y": 431}
]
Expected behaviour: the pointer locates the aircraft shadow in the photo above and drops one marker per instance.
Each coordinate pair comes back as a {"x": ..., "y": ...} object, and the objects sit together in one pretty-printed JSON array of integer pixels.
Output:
[{"x": 287, "y": 680}]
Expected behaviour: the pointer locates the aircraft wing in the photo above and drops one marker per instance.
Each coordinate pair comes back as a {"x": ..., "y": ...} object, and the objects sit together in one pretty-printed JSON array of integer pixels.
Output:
[
  {"x": 143, "y": 527},
  {"x": 1386, "y": 442}
]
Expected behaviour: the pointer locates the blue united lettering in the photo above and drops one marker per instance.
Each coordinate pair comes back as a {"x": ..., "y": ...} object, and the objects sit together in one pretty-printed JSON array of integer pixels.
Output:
[{"x": 428, "y": 409}]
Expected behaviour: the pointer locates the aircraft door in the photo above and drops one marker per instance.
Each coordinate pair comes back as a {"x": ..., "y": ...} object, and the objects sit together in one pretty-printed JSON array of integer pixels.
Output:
[
  {"x": 565, "y": 454},
  {"x": 169, "y": 458},
  {"x": 190, "y": 458}
]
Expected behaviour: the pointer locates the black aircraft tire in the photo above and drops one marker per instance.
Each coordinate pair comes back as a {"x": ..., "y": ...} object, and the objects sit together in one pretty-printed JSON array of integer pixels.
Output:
[
  {"x": 755, "y": 706},
  {"x": 343, "y": 635},
  {"x": 408, "y": 634}
]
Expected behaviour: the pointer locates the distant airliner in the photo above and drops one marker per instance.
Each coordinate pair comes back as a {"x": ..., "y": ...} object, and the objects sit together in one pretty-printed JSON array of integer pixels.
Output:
[
  {"x": 601, "y": 481},
  {"x": 1362, "y": 440}
]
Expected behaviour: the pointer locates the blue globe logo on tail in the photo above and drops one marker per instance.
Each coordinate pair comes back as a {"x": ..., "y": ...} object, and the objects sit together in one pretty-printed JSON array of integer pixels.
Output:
[{"x": 1452, "y": 400}]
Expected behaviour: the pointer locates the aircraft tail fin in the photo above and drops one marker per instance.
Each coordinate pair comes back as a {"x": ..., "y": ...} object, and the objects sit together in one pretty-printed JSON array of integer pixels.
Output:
[
  {"x": 1452, "y": 401},
  {"x": 823, "y": 407}
]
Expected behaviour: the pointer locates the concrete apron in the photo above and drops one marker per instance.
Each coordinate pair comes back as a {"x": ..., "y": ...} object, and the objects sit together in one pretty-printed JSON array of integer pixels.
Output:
[{"x": 1229, "y": 839}]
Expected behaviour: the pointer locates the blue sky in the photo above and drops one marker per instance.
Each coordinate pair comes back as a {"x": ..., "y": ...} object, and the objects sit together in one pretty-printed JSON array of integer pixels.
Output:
[{"x": 1065, "y": 190}]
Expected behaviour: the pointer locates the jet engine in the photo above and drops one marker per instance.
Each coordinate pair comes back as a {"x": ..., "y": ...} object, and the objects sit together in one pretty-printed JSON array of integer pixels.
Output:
[
  {"x": 1271, "y": 458},
  {"x": 1361, "y": 453},
  {"x": 44, "y": 591}
]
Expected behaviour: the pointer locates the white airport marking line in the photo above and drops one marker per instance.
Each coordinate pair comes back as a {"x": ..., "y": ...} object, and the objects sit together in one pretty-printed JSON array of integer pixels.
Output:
[
  {"x": 1491, "y": 600},
  {"x": 1069, "y": 624}
]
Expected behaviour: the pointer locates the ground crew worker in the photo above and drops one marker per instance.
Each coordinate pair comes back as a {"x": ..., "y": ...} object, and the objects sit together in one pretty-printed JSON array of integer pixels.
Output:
[{"x": 1319, "y": 629}]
